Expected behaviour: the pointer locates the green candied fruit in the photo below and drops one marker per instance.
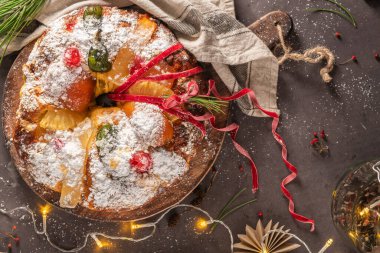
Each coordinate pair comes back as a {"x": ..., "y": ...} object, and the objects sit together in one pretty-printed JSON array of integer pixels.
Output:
[
  {"x": 98, "y": 59},
  {"x": 93, "y": 11},
  {"x": 106, "y": 140},
  {"x": 105, "y": 132}
]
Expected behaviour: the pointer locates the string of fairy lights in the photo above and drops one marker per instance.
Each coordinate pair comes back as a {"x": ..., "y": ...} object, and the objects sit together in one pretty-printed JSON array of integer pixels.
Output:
[{"x": 200, "y": 226}]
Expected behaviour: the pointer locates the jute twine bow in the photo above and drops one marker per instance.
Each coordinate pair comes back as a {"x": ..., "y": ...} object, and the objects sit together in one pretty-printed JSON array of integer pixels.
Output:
[{"x": 312, "y": 55}]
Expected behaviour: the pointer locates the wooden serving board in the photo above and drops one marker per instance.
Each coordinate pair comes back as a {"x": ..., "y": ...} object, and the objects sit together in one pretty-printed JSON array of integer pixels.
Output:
[{"x": 199, "y": 166}]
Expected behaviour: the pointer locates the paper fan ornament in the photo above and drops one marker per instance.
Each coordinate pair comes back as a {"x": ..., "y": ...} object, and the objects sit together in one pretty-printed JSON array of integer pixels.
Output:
[{"x": 276, "y": 242}]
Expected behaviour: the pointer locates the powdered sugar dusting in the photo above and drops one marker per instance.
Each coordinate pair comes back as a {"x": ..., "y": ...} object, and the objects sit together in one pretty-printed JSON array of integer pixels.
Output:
[
  {"x": 149, "y": 123},
  {"x": 115, "y": 184},
  {"x": 49, "y": 160}
]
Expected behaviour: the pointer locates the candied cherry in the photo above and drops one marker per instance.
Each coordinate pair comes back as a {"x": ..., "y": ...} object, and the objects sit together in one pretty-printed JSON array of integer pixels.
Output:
[
  {"x": 141, "y": 162},
  {"x": 58, "y": 144},
  {"x": 72, "y": 57},
  {"x": 70, "y": 26}
]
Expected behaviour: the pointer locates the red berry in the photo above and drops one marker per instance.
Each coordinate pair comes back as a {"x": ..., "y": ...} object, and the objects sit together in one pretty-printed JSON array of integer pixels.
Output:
[
  {"x": 322, "y": 134},
  {"x": 72, "y": 57},
  {"x": 14, "y": 227},
  {"x": 260, "y": 214},
  {"x": 377, "y": 56},
  {"x": 315, "y": 134},
  {"x": 338, "y": 35},
  {"x": 141, "y": 162},
  {"x": 314, "y": 141},
  {"x": 9, "y": 245},
  {"x": 354, "y": 58},
  {"x": 17, "y": 239}
]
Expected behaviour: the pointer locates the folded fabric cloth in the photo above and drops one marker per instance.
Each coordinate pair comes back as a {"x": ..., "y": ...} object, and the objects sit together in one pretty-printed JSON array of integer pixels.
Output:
[{"x": 209, "y": 30}]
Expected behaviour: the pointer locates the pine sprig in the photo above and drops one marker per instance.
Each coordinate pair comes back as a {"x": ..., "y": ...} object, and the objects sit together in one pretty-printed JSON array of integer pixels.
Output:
[
  {"x": 15, "y": 15},
  {"x": 212, "y": 104}
]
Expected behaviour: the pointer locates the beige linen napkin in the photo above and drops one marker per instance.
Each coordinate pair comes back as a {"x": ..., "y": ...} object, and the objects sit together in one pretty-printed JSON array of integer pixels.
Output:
[{"x": 209, "y": 30}]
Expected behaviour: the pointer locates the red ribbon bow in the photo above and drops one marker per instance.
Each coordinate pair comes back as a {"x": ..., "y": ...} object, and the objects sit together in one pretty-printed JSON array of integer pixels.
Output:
[{"x": 176, "y": 100}]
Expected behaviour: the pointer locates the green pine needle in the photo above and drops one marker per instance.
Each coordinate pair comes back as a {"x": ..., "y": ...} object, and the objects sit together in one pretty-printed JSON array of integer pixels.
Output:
[
  {"x": 345, "y": 10},
  {"x": 237, "y": 208},
  {"x": 230, "y": 201},
  {"x": 346, "y": 14},
  {"x": 210, "y": 103},
  {"x": 226, "y": 210},
  {"x": 335, "y": 12},
  {"x": 15, "y": 15}
]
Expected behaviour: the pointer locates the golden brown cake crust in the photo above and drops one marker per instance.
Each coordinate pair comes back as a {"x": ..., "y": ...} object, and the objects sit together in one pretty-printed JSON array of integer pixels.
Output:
[{"x": 168, "y": 196}]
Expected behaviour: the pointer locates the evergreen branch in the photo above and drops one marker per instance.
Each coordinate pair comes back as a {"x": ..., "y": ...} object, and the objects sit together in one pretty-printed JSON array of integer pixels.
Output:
[{"x": 15, "y": 15}]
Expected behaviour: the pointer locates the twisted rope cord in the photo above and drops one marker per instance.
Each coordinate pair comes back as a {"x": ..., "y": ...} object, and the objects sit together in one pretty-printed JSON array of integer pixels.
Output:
[{"x": 312, "y": 55}]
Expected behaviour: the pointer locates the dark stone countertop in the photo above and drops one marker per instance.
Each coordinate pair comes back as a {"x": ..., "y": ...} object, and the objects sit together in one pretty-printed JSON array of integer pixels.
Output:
[{"x": 348, "y": 110}]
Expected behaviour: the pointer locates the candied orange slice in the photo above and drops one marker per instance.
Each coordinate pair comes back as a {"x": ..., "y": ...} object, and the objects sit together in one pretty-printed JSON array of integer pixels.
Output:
[
  {"x": 79, "y": 95},
  {"x": 61, "y": 119}
]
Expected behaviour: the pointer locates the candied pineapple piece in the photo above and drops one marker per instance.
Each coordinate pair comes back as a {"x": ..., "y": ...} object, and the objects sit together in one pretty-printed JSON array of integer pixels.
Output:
[
  {"x": 71, "y": 192},
  {"x": 149, "y": 88},
  {"x": 61, "y": 119},
  {"x": 85, "y": 138},
  {"x": 96, "y": 115}
]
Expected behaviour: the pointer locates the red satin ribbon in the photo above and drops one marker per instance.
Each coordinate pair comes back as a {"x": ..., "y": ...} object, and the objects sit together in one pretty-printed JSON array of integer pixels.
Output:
[
  {"x": 186, "y": 73},
  {"x": 173, "y": 103},
  {"x": 140, "y": 72}
]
